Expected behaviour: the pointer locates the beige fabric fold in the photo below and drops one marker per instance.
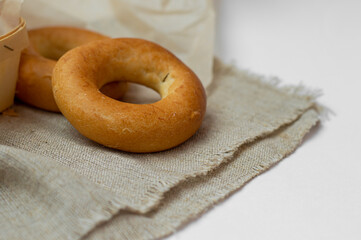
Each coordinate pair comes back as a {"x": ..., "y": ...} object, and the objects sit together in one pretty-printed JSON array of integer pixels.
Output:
[
  {"x": 190, "y": 199},
  {"x": 250, "y": 124},
  {"x": 40, "y": 199}
]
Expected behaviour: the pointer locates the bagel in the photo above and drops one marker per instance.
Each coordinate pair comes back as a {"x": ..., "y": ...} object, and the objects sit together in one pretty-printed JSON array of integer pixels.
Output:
[
  {"x": 38, "y": 60},
  {"x": 129, "y": 127}
]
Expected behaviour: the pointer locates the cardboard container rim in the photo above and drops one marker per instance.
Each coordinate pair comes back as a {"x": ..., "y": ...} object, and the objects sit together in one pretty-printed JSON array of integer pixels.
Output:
[
  {"x": 11, "y": 45},
  {"x": 14, "y": 41},
  {"x": 14, "y": 30}
]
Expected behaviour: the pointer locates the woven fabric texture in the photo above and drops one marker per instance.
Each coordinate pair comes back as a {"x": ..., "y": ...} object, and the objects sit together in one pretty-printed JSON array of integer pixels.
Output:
[{"x": 56, "y": 184}]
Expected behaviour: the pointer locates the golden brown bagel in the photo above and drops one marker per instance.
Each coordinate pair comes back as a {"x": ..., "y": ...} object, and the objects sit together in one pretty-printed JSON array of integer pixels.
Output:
[
  {"x": 37, "y": 63},
  {"x": 130, "y": 127}
]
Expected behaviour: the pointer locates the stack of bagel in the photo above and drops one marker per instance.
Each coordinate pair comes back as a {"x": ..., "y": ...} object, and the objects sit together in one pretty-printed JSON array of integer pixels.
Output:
[{"x": 84, "y": 74}]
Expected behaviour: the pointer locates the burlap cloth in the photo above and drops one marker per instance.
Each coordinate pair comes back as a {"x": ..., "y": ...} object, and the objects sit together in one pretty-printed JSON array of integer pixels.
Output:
[{"x": 56, "y": 184}]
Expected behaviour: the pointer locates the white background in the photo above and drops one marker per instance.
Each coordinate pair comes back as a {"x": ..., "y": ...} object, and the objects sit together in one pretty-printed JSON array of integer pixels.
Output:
[{"x": 316, "y": 192}]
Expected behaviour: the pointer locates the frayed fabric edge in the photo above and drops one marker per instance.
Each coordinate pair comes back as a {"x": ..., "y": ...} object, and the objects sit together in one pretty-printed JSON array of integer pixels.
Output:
[
  {"x": 156, "y": 192},
  {"x": 300, "y": 90},
  {"x": 225, "y": 191},
  {"x": 273, "y": 82}
]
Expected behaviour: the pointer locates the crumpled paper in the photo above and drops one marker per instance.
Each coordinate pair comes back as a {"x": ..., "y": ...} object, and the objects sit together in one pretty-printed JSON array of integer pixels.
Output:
[
  {"x": 186, "y": 27},
  {"x": 9, "y": 15}
]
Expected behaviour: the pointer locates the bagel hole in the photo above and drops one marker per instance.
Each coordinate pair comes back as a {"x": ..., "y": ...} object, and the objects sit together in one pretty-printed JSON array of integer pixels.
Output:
[
  {"x": 52, "y": 52},
  {"x": 139, "y": 94}
]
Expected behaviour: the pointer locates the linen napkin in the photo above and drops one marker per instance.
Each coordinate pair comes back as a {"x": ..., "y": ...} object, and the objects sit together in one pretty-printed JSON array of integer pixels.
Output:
[{"x": 249, "y": 123}]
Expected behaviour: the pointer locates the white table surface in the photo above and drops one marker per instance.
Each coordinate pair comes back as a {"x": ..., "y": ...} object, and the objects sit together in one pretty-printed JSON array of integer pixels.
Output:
[{"x": 316, "y": 192}]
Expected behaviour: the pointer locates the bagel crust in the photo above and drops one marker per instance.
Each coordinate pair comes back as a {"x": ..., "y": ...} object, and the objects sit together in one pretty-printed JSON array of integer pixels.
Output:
[
  {"x": 37, "y": 62},
  {"x": 81, "y": 72}
]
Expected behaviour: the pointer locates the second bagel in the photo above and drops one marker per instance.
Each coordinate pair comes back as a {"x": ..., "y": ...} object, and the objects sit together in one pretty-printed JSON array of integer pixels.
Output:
[{"x": 47, "y": 45}]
